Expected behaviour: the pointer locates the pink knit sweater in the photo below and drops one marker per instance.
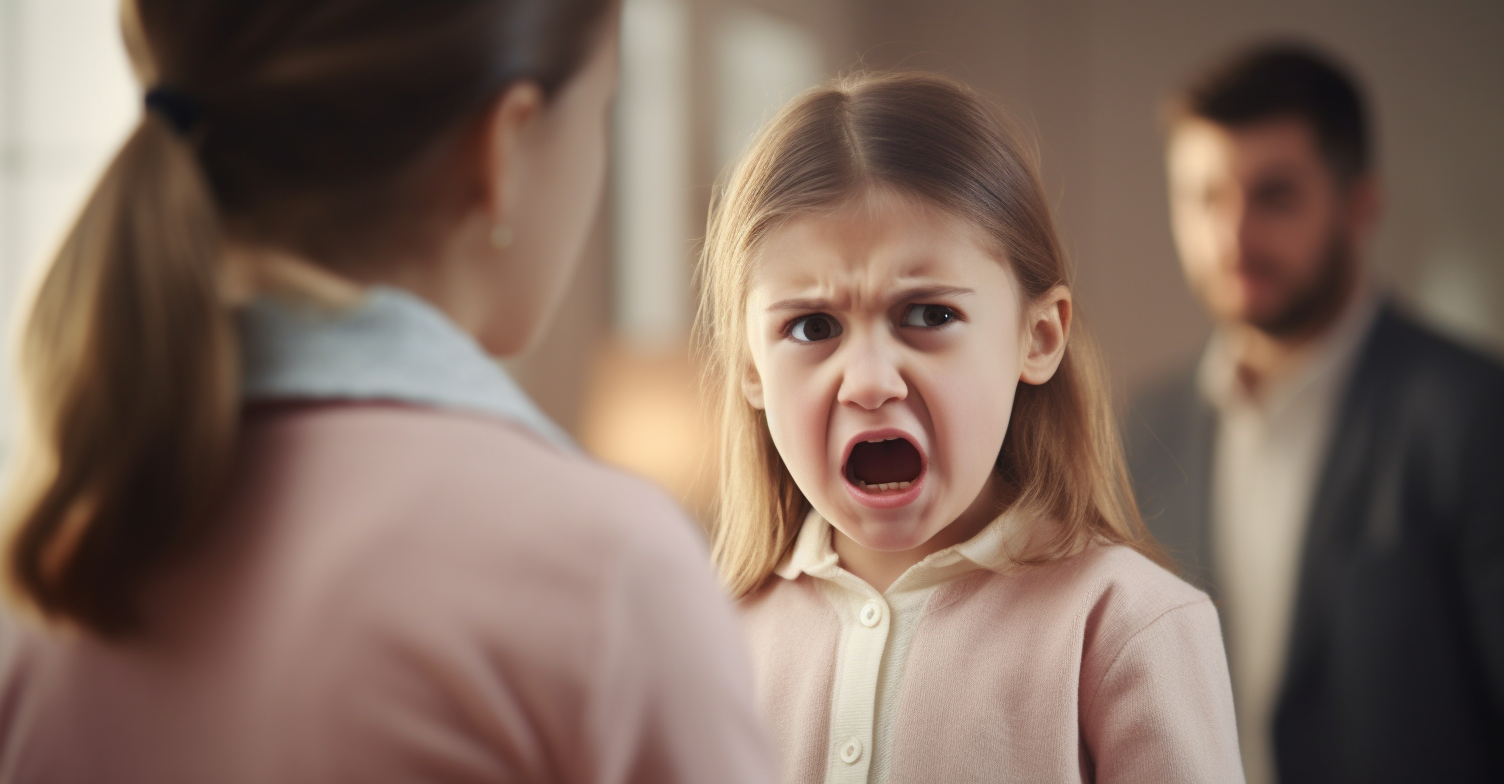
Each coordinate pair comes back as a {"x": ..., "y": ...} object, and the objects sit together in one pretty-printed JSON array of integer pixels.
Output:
[
  {"x": 1102, "y": 667},
  {"x": 405, "y": 594}
]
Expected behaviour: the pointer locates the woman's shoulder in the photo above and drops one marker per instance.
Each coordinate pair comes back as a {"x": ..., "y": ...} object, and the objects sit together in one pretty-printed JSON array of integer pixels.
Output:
[
  {"x": 441, "y": 529},
  {"x": 398, "y": 493},
  {"x": 455, "y": 469}
]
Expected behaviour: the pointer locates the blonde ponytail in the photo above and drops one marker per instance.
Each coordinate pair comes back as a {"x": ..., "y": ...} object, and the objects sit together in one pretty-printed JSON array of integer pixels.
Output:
[{"x": 128, "y": 378}]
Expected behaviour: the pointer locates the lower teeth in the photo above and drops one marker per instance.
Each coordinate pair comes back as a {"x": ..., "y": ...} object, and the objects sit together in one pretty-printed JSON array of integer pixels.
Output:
[{"x": 885, "y": 486}]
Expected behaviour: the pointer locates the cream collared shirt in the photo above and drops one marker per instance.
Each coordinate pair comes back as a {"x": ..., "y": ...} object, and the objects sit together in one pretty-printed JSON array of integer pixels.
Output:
[
  {"x": 877, "y": 630},
  {"x": 1269, "y": 453}
]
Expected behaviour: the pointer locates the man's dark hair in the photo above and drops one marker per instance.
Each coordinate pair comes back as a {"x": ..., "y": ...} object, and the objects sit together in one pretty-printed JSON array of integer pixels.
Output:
[{"x": 1279, "y": 80}]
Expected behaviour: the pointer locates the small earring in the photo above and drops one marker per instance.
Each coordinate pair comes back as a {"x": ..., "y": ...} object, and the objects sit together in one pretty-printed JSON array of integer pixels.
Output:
[{"x": 501, "y": 237}]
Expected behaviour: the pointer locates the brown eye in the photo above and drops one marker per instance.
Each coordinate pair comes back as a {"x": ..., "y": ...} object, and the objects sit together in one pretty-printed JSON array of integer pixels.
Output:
[
  {"x": 810, "y": 329},
  {"x": 927, "y": 316}
]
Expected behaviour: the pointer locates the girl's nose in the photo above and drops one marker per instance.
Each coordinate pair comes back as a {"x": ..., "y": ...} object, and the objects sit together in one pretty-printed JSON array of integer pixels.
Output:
[{"x": 870, "y": 378}]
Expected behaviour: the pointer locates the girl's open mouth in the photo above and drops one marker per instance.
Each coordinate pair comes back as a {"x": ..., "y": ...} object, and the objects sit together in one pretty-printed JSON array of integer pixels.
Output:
[{"x": 884, "y": 469}]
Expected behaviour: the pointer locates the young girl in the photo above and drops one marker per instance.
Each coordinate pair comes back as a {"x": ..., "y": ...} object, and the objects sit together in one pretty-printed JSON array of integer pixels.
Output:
[{"x": 924, "y": 511}]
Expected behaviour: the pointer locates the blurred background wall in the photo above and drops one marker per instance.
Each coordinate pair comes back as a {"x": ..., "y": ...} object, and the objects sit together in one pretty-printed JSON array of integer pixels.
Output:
[{"x": 699, "y": 76}]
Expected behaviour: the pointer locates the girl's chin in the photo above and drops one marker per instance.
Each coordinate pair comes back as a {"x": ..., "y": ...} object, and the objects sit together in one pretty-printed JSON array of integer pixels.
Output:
[{"x": 889, "y": 537}]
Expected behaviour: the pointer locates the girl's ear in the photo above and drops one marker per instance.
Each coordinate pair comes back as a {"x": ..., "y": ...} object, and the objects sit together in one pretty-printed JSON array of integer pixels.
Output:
[
  {"x": 752, "y": 386},
  {"x": 1047, "y": 329}
]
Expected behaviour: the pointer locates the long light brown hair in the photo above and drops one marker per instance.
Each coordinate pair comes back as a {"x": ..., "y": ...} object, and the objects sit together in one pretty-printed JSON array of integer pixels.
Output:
[
  {"x": 931, "y": 138},
  {"x": 340, "y": 131}
]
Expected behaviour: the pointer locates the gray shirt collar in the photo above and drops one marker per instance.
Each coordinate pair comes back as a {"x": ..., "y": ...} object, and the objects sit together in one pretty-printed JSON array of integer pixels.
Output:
[{"x": 391, "y": 346}]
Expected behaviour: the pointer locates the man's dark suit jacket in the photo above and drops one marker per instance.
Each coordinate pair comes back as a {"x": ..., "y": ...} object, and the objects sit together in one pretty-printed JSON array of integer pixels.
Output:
[{"x": 1395, "y": 666}]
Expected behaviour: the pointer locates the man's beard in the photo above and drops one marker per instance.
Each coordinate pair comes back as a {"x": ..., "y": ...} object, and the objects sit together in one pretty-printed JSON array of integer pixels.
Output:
[{"x": 1316, "y": 304}]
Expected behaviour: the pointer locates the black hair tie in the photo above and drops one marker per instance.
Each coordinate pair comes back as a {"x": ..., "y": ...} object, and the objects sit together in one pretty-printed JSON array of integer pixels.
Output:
[{"x": 180, "y": 110}]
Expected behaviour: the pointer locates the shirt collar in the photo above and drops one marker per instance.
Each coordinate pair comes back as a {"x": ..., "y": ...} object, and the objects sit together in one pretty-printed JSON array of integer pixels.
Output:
[
  {"x": 1323, "y": 364},
  {"x": 813, "y": 552},
  {"x": 390, "y": 346},
  {"x": 993, "y": 548}
]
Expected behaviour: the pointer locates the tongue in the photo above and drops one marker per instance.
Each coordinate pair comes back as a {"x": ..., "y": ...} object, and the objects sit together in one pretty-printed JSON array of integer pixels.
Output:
[{"x": 885, "y": 461}]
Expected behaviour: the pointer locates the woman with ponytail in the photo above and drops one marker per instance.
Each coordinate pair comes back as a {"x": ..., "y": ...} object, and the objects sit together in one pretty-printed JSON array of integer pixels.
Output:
[{"x": 277, "y": 515}]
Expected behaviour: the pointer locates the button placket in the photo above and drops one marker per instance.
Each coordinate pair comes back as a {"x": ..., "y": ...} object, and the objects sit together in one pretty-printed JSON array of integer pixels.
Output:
[{"x": 866, "y": 618}]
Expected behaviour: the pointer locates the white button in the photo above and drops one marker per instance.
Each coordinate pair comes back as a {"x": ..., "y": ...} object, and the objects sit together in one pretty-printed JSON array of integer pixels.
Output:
[
  {"x": 872, "y": 612},
  {"x": 851, "y": 751}
]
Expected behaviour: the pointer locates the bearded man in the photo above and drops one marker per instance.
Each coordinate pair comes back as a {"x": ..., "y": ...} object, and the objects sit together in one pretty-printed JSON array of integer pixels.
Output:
[{"x": 1331, "y": 471}]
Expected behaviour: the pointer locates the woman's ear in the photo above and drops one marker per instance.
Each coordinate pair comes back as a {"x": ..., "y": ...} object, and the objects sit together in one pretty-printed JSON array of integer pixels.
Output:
[
  {"x": 505, "y": 132},
  {"x": 752, "y": 386},
  {"x": 1047, "y": 329}
]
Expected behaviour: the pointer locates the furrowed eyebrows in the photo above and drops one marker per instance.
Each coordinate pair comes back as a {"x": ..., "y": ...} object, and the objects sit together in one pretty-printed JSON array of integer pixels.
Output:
[
  {"x": 912, "y": 293},
  {"x": 800, "y": 303},
  {"x": 902, "y": 294}
]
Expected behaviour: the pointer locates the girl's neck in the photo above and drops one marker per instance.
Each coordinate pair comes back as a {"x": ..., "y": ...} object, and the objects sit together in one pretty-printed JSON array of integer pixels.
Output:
[{"x": 880, "y": 569}]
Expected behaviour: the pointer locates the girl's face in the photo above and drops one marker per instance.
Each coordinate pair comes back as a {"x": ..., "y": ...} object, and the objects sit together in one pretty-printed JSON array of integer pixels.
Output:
[{"x": 887, "y": 342}]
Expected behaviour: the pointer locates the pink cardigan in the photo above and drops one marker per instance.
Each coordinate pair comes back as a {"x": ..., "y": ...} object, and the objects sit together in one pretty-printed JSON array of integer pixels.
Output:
[
  {"x": 1102, "y": 667},
  {"x": 405, "y": 594}
]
